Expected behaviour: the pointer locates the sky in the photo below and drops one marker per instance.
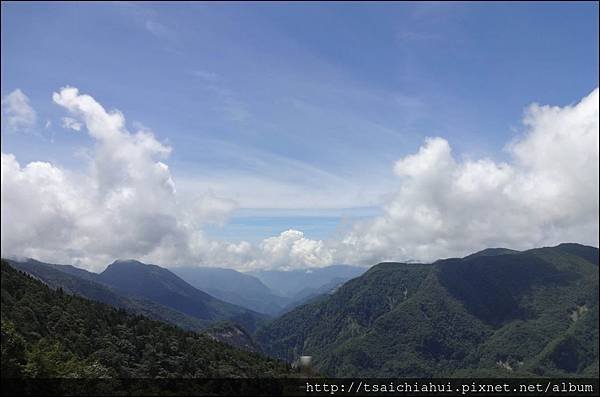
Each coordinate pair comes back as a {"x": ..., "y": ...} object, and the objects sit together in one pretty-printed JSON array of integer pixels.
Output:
[{"x": 286, "y": 135}]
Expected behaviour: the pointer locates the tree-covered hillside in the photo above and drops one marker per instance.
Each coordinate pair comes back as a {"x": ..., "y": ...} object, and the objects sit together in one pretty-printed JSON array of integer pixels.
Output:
[
  {"x": 47, "y": 333},
  {"x": 502, "y": 313},
  {"x": 150, "y": 282},
  {"x": 143, "y": 289},
  {"x": 86, "y": 284}
]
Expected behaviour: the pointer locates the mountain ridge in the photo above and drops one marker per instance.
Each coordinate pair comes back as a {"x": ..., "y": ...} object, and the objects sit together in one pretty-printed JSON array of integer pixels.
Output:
[
  {"x": 49, "y": 334},
  {"x": 234, "y": 287},
  {"x": 163, "y": 296},
  {"x": 290, "y": 282},
  {"x": 158, "y": 284},
  {"x": 532, "y": 311}
]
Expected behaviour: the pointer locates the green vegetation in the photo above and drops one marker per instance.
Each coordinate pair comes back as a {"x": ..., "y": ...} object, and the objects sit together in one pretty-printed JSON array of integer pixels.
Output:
[
  {"x": 149, "y": 290},
  {"x": 150, "y": 282},
  {"x": 79, "y": 282},
  {"x": 233, "y": 335},
  {"x": 501, "y": 313},
  {"x": 495, "y": 313},
  {"x": 49, "y": 333}
]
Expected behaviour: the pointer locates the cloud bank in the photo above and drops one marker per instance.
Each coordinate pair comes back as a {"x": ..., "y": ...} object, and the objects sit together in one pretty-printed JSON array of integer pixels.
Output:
[
  {"x": 446, "y": 207},
  {"x": 124, "y": 206},
  {"x": 127, "y": 206}
]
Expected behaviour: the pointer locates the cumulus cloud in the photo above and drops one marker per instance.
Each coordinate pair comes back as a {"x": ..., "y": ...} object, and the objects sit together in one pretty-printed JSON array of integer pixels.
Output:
[
  {"x": 127, "y": 206},
  {"x": 547, "y": 194},
  {"x": 17, "y": 111},
  {"x": 71, "y": 124},
  {"x": 291, "y": 250},
  {"x": 288, "y": 250}
]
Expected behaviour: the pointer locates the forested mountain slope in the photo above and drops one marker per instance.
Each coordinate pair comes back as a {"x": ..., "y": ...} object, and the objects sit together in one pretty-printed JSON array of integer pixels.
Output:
[
  {"x": 157, "y": 284},
  {"x": 48, "y": 333},
  {"x": 76, "y": 281},
  {"x": 504, "y": 313},
  {"x": 145, "y": 289}
]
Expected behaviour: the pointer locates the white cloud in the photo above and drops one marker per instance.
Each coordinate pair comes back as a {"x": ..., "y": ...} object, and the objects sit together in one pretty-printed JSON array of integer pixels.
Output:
[
  {"x": 20, "y": 116},
  {"x": 445, "y": 207},
  {"x": 288, "y": 250},
  {"x": 291, "y": 250},
  {"x": 209, "y": 207},
  {"x": 127, "y": 206},
  {"x": 71, "y": 124}
]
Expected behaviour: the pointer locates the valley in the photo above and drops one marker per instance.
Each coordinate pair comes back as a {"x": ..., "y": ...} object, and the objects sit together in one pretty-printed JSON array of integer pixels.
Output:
[{"x": 494, "y": 313}]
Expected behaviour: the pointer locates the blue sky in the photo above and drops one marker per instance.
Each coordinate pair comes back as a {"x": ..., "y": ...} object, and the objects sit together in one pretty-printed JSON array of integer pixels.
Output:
[{"x": 296, "y": 111}]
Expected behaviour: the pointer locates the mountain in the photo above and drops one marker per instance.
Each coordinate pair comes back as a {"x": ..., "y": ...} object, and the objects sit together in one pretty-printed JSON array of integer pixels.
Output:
[
  {"x": 234, "y": 287},
  {"x": 80, "y": 282},
  {"x": 144, "y": 289},
  {"x": 508, "y": 314},
  {"x": 154, "y": 283},
  {"x": 47, "y": 333},
  {"x": 72, "y": 270},
  {"x": 308, "y": 294},
  {"x": 292, "y": 282},
  {"x": 493, "y": 252}
]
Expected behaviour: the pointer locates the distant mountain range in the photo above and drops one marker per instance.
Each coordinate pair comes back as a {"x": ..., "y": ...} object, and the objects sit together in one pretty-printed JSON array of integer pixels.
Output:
[
  {"x": 144, "y": 289},
  {"x": 47, "y": 333},
  {"x": 157, "y": 284},
  {"x": 300, "y": 283},
  {"x": 272, "y": 292},
  {"x": 86, "y": 284},
  {"x": 233, "y": 287},
  {"x": 495, "y": 313},
  {"x": 190, "y": 297}
]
